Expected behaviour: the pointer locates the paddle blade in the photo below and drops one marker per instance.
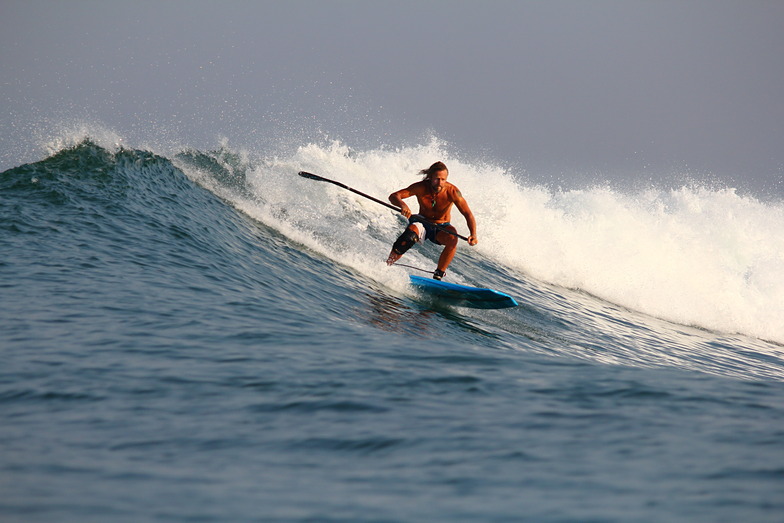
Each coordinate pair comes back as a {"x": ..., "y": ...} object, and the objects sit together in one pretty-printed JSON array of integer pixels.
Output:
[{"x": 312, "y": 176}]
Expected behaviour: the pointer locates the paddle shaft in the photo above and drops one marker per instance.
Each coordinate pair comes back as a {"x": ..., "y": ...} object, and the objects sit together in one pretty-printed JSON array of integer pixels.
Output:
[{"x": 312, "y": 176}]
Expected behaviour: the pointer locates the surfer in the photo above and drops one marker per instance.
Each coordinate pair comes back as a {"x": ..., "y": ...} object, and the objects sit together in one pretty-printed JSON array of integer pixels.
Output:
[{"x": 435, "y": 196}]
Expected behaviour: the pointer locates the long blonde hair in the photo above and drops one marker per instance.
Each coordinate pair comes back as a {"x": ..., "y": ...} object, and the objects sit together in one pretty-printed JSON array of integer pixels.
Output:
[{"x": 436, "y": 167}]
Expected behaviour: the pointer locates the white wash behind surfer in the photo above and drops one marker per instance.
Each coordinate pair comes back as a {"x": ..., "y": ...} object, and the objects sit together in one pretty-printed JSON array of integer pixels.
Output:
[{"x": 435, "y": 196}]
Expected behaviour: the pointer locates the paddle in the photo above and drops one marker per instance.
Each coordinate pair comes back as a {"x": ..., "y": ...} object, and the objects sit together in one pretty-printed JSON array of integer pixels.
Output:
[{"x": 311, "y": 176}]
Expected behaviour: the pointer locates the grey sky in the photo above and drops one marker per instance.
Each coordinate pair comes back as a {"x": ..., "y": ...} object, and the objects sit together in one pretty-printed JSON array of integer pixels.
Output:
[{"x": 563, "y": 89}]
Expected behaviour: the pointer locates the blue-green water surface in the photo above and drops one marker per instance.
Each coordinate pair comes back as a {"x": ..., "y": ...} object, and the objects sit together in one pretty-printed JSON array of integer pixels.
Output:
[{"x": 166, "y": 357}]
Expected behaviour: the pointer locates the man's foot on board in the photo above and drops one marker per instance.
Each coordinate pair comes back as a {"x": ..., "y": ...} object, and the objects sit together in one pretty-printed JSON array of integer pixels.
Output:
[{"x": 437, "y": 275}]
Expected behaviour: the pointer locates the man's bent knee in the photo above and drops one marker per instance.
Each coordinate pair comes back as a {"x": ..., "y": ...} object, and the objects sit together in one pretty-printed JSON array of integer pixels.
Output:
[
  {"x": 446, "y": 239},
  {"x": 405, "y": 241}
]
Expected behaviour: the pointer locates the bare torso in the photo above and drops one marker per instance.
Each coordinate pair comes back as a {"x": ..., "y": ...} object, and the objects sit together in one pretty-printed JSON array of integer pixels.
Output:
[{"x": 435, "y": 206}]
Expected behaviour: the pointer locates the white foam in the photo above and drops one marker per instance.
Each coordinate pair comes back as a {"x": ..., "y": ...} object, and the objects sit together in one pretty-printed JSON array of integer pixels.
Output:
[{"x": 695, "y": 256}]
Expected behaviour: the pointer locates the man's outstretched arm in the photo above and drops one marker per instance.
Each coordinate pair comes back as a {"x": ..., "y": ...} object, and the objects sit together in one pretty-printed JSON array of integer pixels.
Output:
[{"x": 465, "y": 210}]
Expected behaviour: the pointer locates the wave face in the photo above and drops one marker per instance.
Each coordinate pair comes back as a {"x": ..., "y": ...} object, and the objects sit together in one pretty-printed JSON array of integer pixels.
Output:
[
  {"x": 179, "y": 327},
  {"x": 708, "y": 258}
]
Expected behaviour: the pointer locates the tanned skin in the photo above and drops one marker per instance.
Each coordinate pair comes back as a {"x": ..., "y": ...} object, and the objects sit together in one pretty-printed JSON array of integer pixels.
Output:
[{"x": 436, "y": 196}]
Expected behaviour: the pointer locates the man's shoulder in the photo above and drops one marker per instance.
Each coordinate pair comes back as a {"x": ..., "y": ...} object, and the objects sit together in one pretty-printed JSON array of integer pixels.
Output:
[{"x": 418, "y": 187}]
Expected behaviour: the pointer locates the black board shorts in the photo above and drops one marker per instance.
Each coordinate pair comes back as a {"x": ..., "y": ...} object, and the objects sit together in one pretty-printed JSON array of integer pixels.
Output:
[{"x": 430, "y": 229}]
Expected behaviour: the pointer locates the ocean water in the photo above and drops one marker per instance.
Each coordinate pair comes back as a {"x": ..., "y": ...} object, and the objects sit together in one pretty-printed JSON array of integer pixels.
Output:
[{"x": 205, "y": 336}]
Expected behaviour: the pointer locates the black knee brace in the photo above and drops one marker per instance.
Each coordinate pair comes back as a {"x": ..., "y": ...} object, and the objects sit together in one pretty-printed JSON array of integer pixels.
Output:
[{"x": 406, "y": 240}]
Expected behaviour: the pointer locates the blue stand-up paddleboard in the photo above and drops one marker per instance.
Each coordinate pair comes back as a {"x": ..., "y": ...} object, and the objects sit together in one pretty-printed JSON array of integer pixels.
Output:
[{"x": 463, "y": 295}]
